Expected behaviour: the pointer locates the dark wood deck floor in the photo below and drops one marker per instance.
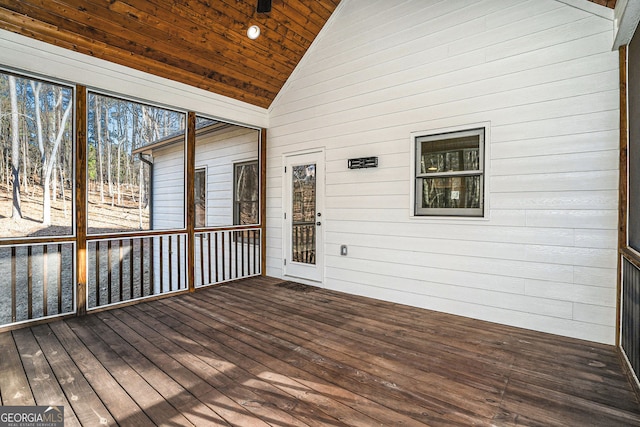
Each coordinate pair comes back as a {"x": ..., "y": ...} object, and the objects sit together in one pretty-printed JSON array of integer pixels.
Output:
[{"x": 265, "y": 352}]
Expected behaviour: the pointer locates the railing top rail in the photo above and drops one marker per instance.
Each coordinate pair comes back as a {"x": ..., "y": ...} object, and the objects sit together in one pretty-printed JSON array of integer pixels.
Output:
[
  {"x": 137, "y": 234},
  {"x": 228, "y": 228},
  {"x": 36, "y": 241}
]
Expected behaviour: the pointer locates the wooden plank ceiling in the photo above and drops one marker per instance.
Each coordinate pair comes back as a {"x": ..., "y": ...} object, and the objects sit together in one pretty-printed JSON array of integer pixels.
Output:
[{"x": 202, "y": 43}]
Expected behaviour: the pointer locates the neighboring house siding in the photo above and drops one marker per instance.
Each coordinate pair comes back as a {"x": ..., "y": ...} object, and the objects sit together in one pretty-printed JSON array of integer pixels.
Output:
[
  {"x": 543, "y": 75},
  {"x": 218, "y": 153},
  {"x": 168, "y": 188}
]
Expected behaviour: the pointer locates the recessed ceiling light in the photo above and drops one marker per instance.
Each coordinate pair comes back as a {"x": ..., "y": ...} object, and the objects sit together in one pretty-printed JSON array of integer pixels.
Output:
[{"x": 253, "y": 32}]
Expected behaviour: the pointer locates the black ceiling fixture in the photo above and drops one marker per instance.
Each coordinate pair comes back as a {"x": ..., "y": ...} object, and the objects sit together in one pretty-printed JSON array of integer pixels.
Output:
[{"x": 264, "y": 6}]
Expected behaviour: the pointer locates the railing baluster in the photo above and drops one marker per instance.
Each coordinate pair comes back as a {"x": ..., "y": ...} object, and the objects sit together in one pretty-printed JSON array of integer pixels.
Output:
[
  {"x": 97, "y": 273},
  {"x": 215, "y": 255},
  {"x": 235, "y": 248},
  {"x": 222, "y": 256},
  {"x": 142, "y": 267},
  {"x": 201, "y": 241},
  {"x": 120, "y": 267},
  {"x": 109, "y": 275},
  {"x": 242, "y": 258},
  {"x": 13, "y": 284},
  {"x": 59, "y": 249},
  {"x": 209, "y": 258},
  {"x": 161, "y": 262},
  {"x": 152, "y": 270},
  {"x": 29, "y": 283},
  {"x": 255, "y": 241},
  {"x": 230, "y": 242},
  {"x": 179, "y": 260},
  {"x": 170, "y": 264},
  {"x": 45, "y": 297},
  {"x": 131, "y": 262}
]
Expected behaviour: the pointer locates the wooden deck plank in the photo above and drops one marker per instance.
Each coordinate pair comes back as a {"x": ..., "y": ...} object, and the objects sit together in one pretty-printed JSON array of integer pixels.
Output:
[
  {"x": 557, "y": 357},
  {"x": 456, "y": 368},
  {"x": 154, "y": 405},
  {"x": 195, "y": 357},
  {"x": 225, "y": 407},
  {"x": 479, "y": 375},
  {"x": 336, "y": 371},
  {"x": 197, "y": 412},
  {"x": 121, "y": 407},
  {"x": 262, "y": 392},
  {"x": 429, "y": 394},
  {"x": 86, "y": 405},
  {"x": 318, "y": 409},
  {"x": 266, "y": 352},
  {"x": 44, "y": 385},
  {"x": 350, "y": 408},
  {"x": 14, "y": 385}
]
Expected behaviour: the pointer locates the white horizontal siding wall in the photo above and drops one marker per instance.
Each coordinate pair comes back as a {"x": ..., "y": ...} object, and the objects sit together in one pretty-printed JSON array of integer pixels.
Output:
[
  {"x": 217, "y": 153},
  {"x": 542, "y": 74}
]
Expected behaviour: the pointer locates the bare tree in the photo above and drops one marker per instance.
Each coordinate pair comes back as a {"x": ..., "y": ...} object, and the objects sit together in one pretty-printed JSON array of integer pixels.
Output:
[
  {"x": 16, "y": 212},
  {"x": 107, "y": 147},
  {"x": 99, "y": 143},
  {"x": 50, "y": 160}
]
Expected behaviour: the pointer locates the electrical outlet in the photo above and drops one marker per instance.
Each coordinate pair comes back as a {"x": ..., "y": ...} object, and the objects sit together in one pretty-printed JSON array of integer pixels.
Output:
[{"x": 343, "y": 250}]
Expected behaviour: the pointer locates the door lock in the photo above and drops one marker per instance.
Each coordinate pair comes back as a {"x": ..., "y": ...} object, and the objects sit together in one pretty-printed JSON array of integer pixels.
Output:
[{"x": 318, "y": 223}]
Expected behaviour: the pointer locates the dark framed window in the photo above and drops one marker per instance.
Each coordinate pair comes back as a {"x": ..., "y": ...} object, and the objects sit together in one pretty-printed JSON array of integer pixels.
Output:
[
  {"x": 245, "y": 193},
  {"x": 200, "y": 184},
  {"x": 449, "y": 174}
]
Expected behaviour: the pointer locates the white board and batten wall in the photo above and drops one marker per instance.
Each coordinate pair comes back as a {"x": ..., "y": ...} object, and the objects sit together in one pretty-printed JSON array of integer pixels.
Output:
[{"x": 542, "y": 76}]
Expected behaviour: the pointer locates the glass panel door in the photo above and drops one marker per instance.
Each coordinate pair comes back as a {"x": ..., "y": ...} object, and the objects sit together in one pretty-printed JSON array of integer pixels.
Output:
[
  {"x": 302, "y": 231},
  {"x": 303, "y": 213}
]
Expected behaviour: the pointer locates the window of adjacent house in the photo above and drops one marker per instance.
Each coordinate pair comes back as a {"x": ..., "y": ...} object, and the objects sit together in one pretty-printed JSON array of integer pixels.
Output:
[
  {"x": 245, "y": 200},
  {"x": 200, "y": 182},
  {"x": 449, "y": 174}
]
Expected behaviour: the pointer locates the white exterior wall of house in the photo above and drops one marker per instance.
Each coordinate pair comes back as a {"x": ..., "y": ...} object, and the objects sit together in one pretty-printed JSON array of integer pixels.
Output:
[{"x": 542, "y": 75}]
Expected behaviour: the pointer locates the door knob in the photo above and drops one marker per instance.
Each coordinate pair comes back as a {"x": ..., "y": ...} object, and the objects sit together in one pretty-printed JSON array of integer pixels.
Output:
[{"x": 318, "y": 223}]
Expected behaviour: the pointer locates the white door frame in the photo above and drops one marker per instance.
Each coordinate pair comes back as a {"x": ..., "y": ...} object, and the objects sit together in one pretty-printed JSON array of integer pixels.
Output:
[{"x": 312, "y": 274}]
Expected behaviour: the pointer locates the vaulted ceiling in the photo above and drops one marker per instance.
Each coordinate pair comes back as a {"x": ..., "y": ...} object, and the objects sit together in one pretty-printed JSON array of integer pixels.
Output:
[{"x": 202, "y": 43}]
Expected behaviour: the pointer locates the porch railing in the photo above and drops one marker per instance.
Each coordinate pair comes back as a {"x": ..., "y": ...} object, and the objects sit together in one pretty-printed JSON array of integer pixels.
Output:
[
  {"x": 129, "y": 268},
  {"x": 226, "y": 254},
  {"x": 36, "y": 281}
]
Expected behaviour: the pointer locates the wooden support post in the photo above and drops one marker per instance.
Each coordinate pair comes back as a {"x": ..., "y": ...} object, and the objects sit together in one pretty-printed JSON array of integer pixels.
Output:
[
  {"x": 622, "y": 185},
  {"x": 191, "y": 200},
  {"x": 81, "y": 199},
  {"x": 263, "y": 202}
]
